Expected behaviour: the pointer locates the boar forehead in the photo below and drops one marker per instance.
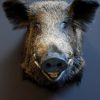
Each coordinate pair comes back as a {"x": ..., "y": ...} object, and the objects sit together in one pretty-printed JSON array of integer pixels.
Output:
[
  {"x": 53, "y": 9},
  {"x": 49, "y": 5}
]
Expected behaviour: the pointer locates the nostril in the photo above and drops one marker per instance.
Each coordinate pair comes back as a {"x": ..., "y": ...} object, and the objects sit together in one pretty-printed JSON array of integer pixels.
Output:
[
  {"x": 53, "y": 64},
  {"x": 59, "y": 64},
  {"x": 48, "y": 65}
]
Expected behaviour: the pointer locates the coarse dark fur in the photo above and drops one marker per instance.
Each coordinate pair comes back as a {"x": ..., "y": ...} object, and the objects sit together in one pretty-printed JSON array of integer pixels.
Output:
[{"x": 42, "y": 20}]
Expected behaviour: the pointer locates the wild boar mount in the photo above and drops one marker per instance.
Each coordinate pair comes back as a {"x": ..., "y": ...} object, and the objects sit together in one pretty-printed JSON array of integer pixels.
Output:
[{"x": 52, "y": 50}]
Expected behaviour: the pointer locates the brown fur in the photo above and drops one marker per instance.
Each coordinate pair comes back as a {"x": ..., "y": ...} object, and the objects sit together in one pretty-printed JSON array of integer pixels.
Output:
[{"x": 44, "y": 20}]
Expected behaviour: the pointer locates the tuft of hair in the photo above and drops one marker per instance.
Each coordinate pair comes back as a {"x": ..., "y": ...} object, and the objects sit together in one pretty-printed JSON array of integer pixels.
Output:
[
  {"x": 83, "y": 11},
  {"x": 16, "y": 12}
]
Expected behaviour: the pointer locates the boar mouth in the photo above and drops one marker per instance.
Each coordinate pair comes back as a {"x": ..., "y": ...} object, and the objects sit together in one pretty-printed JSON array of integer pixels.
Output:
[{"x": 53, "y": 76}]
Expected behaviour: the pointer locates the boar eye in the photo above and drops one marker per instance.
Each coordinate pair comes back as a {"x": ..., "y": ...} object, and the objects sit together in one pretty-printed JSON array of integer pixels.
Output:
[
  {"x": 37, "y": 25},
  {"x": 63, "y": 25}
]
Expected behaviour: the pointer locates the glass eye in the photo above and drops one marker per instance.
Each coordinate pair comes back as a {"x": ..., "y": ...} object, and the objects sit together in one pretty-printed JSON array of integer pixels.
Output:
[{"x": 64, "y": 25}]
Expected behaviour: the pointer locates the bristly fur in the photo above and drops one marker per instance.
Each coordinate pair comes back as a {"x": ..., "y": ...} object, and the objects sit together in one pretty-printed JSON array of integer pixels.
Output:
[
  {"x": 83, "y": 11},
  {"x": 76, "y": 80},
  {"x": 16, "y": 12},
  {"x": 43, "y": 20}
]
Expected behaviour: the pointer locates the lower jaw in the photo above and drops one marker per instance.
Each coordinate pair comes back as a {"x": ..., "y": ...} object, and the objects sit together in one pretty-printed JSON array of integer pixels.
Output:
[{"x": 54, "y": 79}]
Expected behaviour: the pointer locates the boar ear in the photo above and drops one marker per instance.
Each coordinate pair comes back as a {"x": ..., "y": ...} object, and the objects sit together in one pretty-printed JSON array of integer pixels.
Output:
[
  {"x": 16, "y": 12},
  {"x": 83, "y": 10}
]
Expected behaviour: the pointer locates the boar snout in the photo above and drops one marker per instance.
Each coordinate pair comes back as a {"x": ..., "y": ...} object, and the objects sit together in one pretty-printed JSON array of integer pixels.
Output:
[
  {"x": 53, "y": 65},
  {"x": 54, "y": 62}
]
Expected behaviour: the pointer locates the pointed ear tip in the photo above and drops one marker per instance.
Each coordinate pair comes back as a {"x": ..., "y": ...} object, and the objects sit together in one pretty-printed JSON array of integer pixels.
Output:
[
  {"x": 97, "y": 4},
  {"x": 6, "y": 4}
]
